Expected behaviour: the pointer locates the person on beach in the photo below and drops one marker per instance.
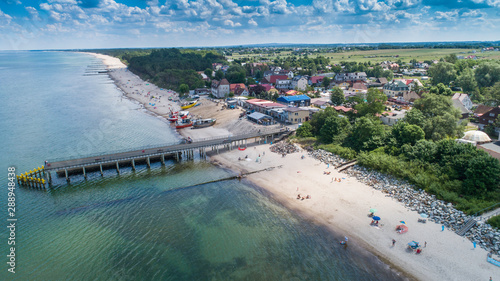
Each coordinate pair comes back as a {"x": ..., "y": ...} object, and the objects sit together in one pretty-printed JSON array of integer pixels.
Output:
[
  {"x": 425, "y": 244},
  {"x": 442, "y": 228},
  {"x": 393, "y": 242}
]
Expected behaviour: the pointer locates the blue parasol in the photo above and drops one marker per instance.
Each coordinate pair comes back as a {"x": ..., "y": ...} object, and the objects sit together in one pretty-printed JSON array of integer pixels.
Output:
[
  {"x": 375, "y": 218},
  {"x": 424, "y": 215}
]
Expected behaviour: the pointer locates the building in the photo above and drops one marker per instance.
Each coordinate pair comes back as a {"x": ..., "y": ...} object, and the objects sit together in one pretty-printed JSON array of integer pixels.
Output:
[
  {"x": 299, "y": 100},
  {"x": 321, "y": 102},
  {"x": 295, "y": 115},
  {"x": 300, "y": 83},
  {"x": 271, "y": 79},
  {"x": 390, "y": 118},
  {"x": 283, "y": 84},
  {"x": 316, "y": 80},
  {"x": 488, "y": 117},
  {"x": 395, "y": 88},
  {"x": 260, "y": 118},
  {"x": 411, "y": 96},
  {"x": 464, "y": 100},
  {"x": 262, "y": 106},
  {"x": 350, "y": 77},
  {"x": 220, "y": 89}
]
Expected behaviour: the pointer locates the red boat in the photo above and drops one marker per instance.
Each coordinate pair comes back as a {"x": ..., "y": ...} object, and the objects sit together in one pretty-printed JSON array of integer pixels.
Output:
[
  {"x": 173, "y": 118},
  {"x": 184, "y": 124}
]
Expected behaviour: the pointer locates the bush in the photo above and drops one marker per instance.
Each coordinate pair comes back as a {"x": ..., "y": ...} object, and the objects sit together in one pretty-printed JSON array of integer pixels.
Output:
[
  {"x": 344, "y": 152},
  {"x": 494, "y": 221}
]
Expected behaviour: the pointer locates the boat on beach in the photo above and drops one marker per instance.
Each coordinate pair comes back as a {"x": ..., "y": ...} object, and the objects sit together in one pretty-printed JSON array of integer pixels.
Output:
[
  {"x": 189, "y": 104},
  {"x": 202, "y": 123},
  {"x": 184, "y": 124}
]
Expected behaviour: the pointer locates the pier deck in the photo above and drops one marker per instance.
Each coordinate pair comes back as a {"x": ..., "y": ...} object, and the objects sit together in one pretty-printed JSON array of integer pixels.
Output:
[{"x": 100, "y": 162}]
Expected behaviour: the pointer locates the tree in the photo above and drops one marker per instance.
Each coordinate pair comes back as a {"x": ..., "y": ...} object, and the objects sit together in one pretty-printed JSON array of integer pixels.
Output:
[
  {"x": 375, "y": 100},
  {"x": 236, "y": 74},
  {"x": 250, "y": 81},
  {"x": 441, "y": 89},
  {"x": 405, "y": 133},
  {"x": 388, "y": 74},
  {"x": 183, "y": 89},
  {"x": 492, "y": 95},
  {"x": 305, "y": 130},
  {"x": 319, "y": 118},
  {"x": 208, "y": 72},
  {"x": 337, "y": 97},
  {"x": 451, "y": 58},
  {"x": 219, "y": 74},
  {"x": 368, "y": 133},
  {"x": 443, "y": 72},
  {"x": 334, "y": 130},
  {"x": 436, "y": 115},
  {"x": 487, "y": 74},
  {"x": 466, "y": 81},
  {"x": 326, "y": 82},
  {"x": 482, "y": 175}
]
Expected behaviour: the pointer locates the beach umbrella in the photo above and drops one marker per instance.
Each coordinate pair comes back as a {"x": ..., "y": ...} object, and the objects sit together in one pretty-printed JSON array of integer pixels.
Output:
[
  {"x": 424, "y": 215},
  {"x": 375, "y": 218},
  {"x": 373, "y": 210},
  {"x": 413, "y": 244},
  {"x": 403, "y": 222}
]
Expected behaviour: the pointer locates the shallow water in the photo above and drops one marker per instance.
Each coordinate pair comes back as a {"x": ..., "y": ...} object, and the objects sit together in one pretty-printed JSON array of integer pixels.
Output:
[{"x": 151, "y": 224}]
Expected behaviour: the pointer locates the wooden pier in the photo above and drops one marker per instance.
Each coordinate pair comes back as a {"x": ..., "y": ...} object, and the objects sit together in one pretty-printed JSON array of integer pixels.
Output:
[{"x": 65, "y": 168}]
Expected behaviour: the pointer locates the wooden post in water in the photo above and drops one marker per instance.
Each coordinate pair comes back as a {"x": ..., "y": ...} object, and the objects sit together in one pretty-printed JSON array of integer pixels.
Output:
[
  {"x": 163, "y": 159},
  {"x": 117, "y": 167},
  {"x": 84, "y": 174},
  {"x": 66, "y": 173},
  {"x": 100, "y": 167},
  {"x": 133, "y": 164},
  {"x": 148, "y": 162}
]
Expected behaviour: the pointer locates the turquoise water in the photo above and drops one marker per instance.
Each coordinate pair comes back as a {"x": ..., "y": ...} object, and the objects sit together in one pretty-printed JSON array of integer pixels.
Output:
[{"x": 152, "y": 224}]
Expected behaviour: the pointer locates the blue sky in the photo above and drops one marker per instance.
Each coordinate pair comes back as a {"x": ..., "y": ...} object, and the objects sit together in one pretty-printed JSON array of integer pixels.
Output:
[{"x": 64, "y": 24}]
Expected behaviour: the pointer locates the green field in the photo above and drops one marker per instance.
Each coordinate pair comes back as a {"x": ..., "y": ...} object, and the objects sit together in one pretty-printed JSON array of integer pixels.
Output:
[{"x": 381, "y": 55}]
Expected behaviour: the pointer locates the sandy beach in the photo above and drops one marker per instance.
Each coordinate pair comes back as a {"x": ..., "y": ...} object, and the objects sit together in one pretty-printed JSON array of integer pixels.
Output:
[
  {"x": 341, "y": 206},
  {"x": 344, "y": 207}
]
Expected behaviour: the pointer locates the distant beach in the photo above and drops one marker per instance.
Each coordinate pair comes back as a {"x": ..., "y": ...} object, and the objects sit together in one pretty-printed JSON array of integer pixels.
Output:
[{"x": 341, "y": 206}]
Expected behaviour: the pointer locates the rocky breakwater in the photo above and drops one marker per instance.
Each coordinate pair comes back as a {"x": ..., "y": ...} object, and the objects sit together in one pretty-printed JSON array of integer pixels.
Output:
[{"x": 420, "y": 201}]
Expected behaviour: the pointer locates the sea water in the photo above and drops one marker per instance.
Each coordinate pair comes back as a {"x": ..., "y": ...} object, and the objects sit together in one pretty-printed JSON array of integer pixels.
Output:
[{"x": 161, "y": 223}]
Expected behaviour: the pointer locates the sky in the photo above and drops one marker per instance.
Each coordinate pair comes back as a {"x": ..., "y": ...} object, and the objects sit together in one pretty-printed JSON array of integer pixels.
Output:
[{"x": 89, "y": 24}]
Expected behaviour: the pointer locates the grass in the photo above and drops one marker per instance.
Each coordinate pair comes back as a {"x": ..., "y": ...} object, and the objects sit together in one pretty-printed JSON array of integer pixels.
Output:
[
  {"x": 381, "y": 55},
  {"x": 494, "y": 221}
]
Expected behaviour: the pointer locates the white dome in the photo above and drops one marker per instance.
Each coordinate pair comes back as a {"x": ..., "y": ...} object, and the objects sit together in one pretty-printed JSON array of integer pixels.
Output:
[{"x": 476, "y": 136}]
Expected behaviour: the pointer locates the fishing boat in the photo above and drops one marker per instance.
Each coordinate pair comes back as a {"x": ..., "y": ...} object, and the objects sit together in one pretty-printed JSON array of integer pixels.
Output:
[
  {"x": 189, "y": 104},
  {"x": 183, "y": 114},
  {"x": 202, "y": 123},
  {"x": 183, "y": 124},
  {"x": 173, "y": 118}
]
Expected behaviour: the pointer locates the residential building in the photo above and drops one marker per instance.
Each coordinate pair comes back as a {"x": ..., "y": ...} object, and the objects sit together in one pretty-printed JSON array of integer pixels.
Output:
[
  {"x": 350, "y": 77},
  {"x": 390, "y": 118},
  {"x": 488, "y": 117},
  {"x": 316, "y": 80},
  {"x": 295, "y": 115},
  {"x": 411, "y": 96},
  {"x": 220, "y": 89},
  {"x": 464, "y": 100},
  {"x": 299, "y": 83},
  {"x": 283, "y": 84},
  {"x": 395, "y": 88}
]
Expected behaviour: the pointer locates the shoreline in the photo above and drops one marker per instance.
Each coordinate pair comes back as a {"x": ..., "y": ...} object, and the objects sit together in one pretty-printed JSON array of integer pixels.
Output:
[
  {"x": 343, "y": 207},
  {"x": 333, "y": 205}
]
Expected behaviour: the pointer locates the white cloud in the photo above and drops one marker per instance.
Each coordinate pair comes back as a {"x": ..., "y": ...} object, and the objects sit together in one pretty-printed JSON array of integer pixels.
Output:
[
  {"x": 231, "y": 23},
  {"x": 447, "y": 16},
  {"x": 251, "y": 22}
]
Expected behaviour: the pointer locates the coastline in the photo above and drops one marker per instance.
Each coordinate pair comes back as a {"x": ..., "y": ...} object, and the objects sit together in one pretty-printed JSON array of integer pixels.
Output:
[{"x": 341, "y": 207}]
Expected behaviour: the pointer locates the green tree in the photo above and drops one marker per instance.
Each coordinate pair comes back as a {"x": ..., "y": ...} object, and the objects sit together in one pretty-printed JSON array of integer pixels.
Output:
[
  {"x": 487, "y": 74},
  {"x": 236, "y": 74},
  {"x": 337, "y": 97},
  {"x": 219, "y": 74},
  {"x": 451, "y": 58},
  {"x": 482, "y": 175},
  {"x": 375, "y": 100},
  {"x": 388, "y": 74},
  {"x": 250, "y": 81},
  {"x": 441, "y": 89},
  {"x": 492, "y": 95},
  {"x": 305, "y": 130},
  {"x": 183, "y": 89},
  {"x": 368, "y": 133},
  {"x": 334, "y": 130},
  {"x": 319, "y": 118},
  {"x": 442, "y": 72},
  {"x": 208, "y": 72},
  {"x": 326, "y": 82},
  {"x": 436, "y": 115},
  {"x": 405, "y": 133},
  {"x": 423, "y": 150},
  {"x": 467, "y": 81}
]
